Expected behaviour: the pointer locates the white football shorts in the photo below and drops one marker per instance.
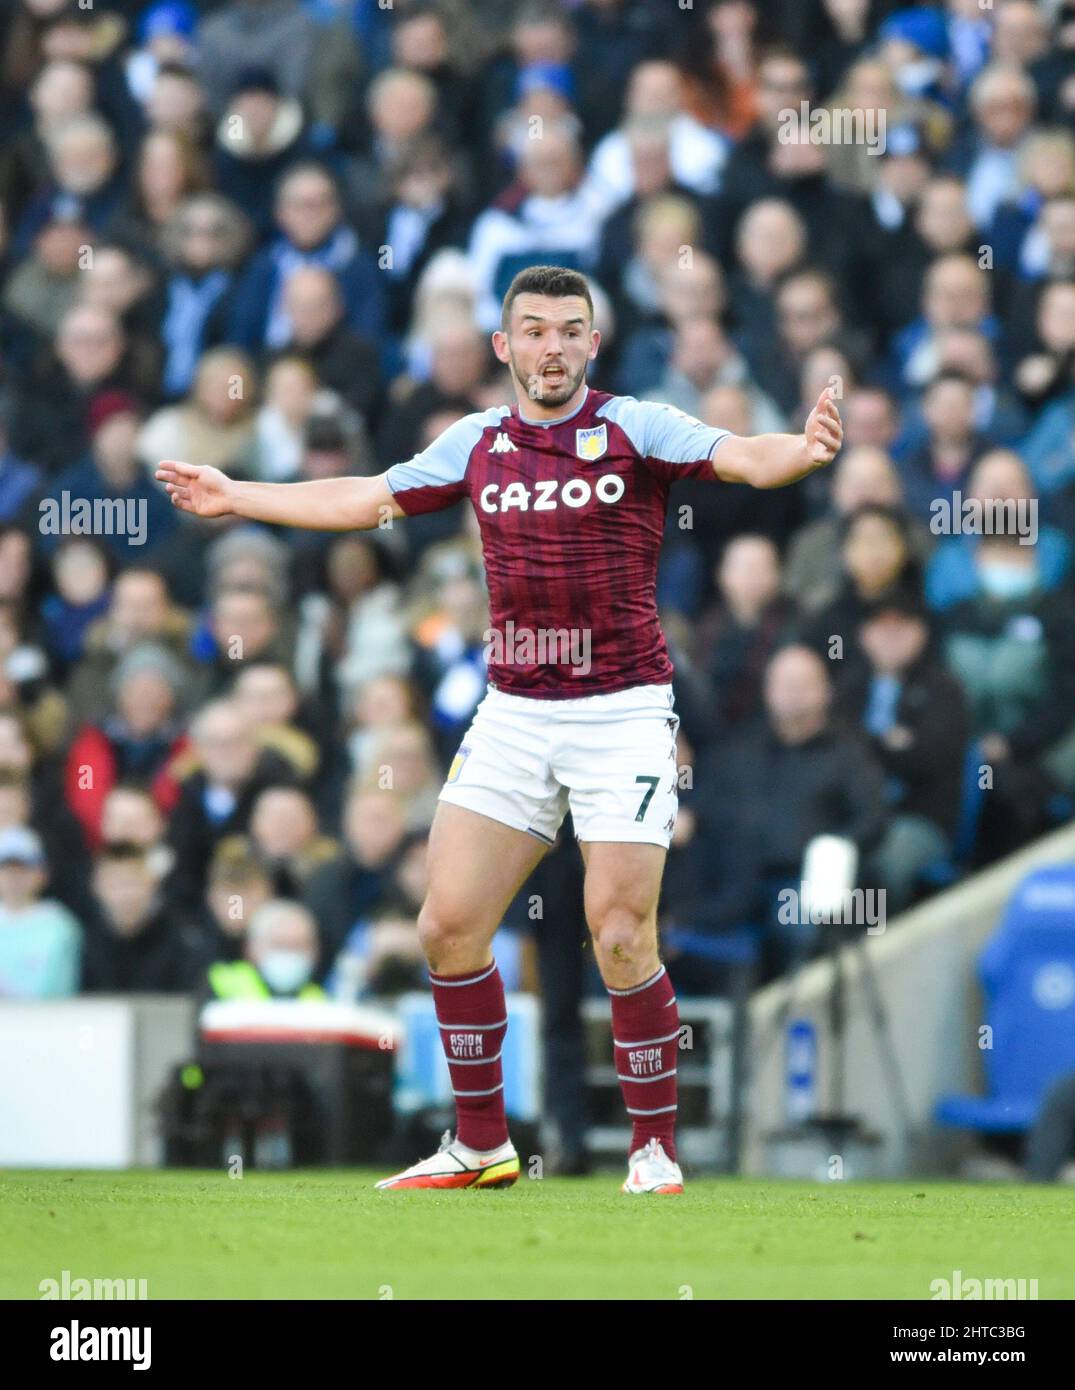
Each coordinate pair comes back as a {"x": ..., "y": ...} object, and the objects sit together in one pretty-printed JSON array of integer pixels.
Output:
[{"x": 611, "y": 759}]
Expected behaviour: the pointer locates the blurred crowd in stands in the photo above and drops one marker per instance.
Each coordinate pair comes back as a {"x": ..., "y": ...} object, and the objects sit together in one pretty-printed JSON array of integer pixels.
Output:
[{"x": 272, "y": 235}]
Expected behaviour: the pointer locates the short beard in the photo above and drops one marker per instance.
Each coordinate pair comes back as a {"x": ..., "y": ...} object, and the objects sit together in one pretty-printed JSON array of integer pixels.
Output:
[{"x": 549, "y": 395}]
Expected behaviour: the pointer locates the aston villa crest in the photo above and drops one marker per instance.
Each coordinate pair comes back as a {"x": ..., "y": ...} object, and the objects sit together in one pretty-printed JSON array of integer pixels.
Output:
[
  {"x": 591, "y": 444},
  {"x": 457, "y": 762}
]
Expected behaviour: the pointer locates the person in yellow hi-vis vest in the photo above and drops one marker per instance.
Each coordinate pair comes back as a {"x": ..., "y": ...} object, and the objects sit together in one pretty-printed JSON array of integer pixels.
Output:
[{"x": 280, "y": 958}]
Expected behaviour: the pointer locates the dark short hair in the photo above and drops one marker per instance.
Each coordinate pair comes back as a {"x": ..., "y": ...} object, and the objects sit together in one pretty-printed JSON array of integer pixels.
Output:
[{"x": 553, "y": 280}]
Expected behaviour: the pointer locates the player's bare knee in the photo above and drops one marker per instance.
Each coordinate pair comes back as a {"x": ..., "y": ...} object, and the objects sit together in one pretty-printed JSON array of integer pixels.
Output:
[
  {"x": 448, "y": 940},
  {"x": 621, "y": 935}
]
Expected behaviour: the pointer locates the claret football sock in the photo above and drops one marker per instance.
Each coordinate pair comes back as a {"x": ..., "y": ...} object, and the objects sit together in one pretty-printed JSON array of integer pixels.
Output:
[
  {"x": 473, "y": 1020},
  {"x": 645, "y": 1035}
]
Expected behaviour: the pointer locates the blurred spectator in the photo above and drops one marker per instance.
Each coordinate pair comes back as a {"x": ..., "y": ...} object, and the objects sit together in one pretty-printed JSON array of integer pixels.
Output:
[
  {"x": 750, "y": 844},
  {"x": 133, "y": 743},
  {"x": 459, "y": 361},
  {"x": 1002, "y": 101},
  {"x": 84, "y": 179},
  {"x": 690, "y": 288},
  {"x": 346, "y": 889},
  {"x": 543, "y": 94},
  {"x": 721, "y": 57},
  {"x": 169, "y": 170},
  {"x": 139, "y": 611},
  {"x": 917, "y": 718},
  {"x": 40, "y": 941},
  {"x": 1019, "y": 236},
  {"x": 861, "y": 476},
  {"x": 120, "y": 281},
  {"x": 291, "y": 389},
  {"x": 342, "y": 359},
  {"x": 450, "y": 664},
  {"x": 216, "y": 797},
  {"x": 137, "y": 944},
  {"x": 112, "y": 482},
  {"x": 61, "y": 90},
  {"x": 285, "y": 835},
  {"x": 360, "y": 625},
  {"x": 1048, "y": 374},
  {"x": 267, "y": 695},
  {"x": 131, "y": 816},
  {"x": 204, "y": 241},
  {"x": 45, "y": 286},
  {"x": 279, "y": 957},
  {"x": 807, "y": 316},
  {"x": 1001, "y": 484},
  {"x": 401, "y": 108},
  {"x": 770, "y": 243},
  {"x": 696, "y": 155},
  {"x": 382, "y": 955},
  {"x": 953, "y": 445},
  {"x": 275, "y": 34},
  {"x": 422, "y": 208},
  {"x": 998, "y": 414},
  {"x": 703, "y": 359},
  {"x": 51, "y": 402},
  {"x": 876, "y": 556},
  {"x": 244, "y": 626},
  {"x": 736, "y": 637},
  {"x": 402, "y": 761},
  {"x": 81, "y": 576},
  {"x": 656, "y": 226},
  {"x": 259, "y": 136},
  {"x": 166, "y": 34},
  {"x": 955, "y": 294},
  {"x": 177, "y": 104},
  {"x": 238, "y": 884},
  {"x": 551, "y": 215},
  {"x": 214, "y": 423},
  {"x": 870, "y": 418},
  {"x": 1010, "y": 647},
  {"x": 313, "y": 232},
  {"x": 383, "y": 702}
]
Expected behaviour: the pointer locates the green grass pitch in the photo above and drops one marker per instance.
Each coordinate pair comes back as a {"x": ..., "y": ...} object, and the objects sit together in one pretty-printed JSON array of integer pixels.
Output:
[{"x": 327, "y": 1234}]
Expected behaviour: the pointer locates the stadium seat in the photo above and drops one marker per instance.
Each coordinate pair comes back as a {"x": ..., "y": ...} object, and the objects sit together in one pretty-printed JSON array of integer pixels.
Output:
[
  {"x": 1027, "y": 972},
  {"x": 738, "y": 947}
]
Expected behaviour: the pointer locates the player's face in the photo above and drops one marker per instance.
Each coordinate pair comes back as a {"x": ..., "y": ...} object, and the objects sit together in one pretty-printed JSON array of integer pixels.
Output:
[{"x": 548, "y": 344}]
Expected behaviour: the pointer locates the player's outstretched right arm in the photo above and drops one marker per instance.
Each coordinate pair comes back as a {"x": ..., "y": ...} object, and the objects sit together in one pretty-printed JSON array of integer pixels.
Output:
[{"x": 327, "y": 504}]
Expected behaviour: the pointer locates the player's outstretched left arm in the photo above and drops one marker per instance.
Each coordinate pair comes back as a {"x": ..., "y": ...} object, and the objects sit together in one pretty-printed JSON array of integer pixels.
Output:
[{"x": 774, "y": 460}]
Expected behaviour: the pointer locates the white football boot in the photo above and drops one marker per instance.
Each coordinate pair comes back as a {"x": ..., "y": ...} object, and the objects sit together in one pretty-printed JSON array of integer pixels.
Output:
[
  {"x": 455, "y": 1165},
  {"x": 651, "y": 1170}
]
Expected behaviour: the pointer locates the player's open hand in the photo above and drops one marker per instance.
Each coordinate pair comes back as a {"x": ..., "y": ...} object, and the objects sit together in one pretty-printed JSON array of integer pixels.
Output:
[
  {"x": 196, "y": 488},
  {"x": 824, "y": 429}
]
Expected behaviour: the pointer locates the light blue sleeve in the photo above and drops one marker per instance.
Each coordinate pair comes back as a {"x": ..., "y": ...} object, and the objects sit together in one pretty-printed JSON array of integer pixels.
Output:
[
  {"x": 60, "y": 967},
  {"x": 436, "y": 478},
  {"x": 672, "y": 443}
]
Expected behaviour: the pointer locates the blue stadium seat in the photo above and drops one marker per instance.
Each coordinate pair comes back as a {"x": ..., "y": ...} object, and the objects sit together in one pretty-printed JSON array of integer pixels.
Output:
[
  {"x": 738, "y": 947},
  {"x": 1028, "y": 975}
]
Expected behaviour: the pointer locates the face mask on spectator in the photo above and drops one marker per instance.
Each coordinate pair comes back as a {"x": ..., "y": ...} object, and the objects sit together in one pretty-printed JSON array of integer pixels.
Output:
[
  {"x": 1008, "y": 581},
  {"x": 286, "y": 971}
]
